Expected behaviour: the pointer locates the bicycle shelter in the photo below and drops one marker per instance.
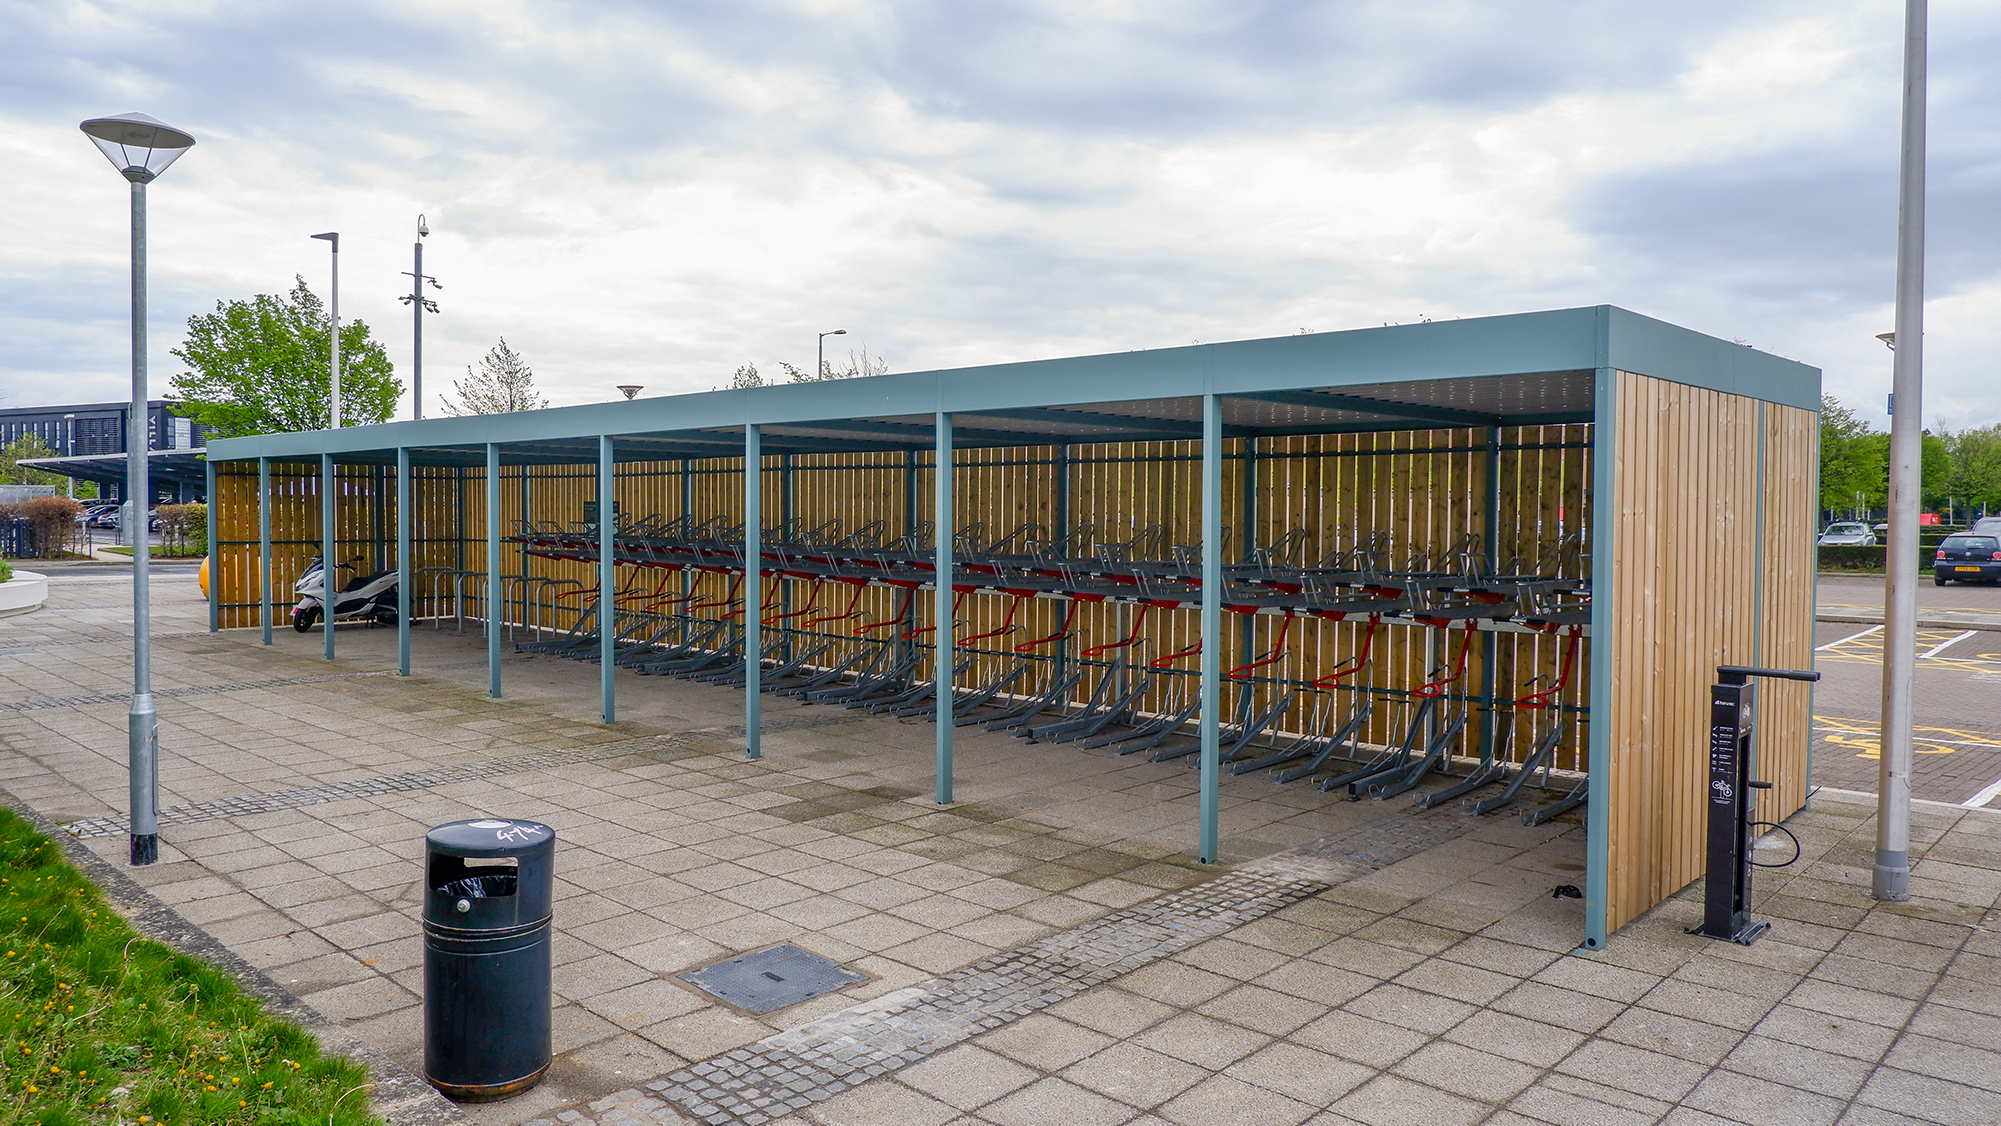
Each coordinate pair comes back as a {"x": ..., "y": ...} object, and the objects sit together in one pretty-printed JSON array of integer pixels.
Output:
[{"x": 1494, "y": 543}]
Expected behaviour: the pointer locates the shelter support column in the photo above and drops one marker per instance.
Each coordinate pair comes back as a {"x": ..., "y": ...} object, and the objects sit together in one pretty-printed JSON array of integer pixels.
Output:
[
  {"x": 214, "y": 563},
  {"x": 494, "y": 610},
  {"x": 403, "y": 492},
  {"x": 607, "y": 586},
  {"x": 753, "y": 589},
  {"x": 1598, "y": 762},
  {"x": 264, "y": 546},
  {"x": 1212, "y": 619},
  {"x": 329, "y": 569},
  {"x": 1489, "y": 640},
  {"x": 941, "y": 488}
]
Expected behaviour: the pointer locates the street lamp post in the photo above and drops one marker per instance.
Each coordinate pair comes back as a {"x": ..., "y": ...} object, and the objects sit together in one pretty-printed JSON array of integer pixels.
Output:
[
  {"x": 69, "y": 446},
  {"x": 419, "y": 305},
  {"x": 1890, "y": 879},
  {"x": 333, "y": 237},
  {"x": 141, "y": 148},
  {"x": 820, "y": 361}
]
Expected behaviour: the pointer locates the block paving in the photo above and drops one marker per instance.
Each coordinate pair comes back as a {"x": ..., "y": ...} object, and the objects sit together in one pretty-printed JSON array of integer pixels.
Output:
[{"x": 1043, "y": 951}]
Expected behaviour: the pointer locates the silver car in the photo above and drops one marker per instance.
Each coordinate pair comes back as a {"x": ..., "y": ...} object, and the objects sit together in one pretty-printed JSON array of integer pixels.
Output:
[{"x": 1848, "y": 535}]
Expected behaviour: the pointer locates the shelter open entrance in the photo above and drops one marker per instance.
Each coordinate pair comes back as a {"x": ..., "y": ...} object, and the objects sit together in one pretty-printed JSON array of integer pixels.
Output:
[{"x": 1506, "y": 545}]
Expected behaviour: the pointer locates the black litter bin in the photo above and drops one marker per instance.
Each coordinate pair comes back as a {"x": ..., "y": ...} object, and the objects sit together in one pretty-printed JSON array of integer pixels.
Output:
[{"x": 487, "y": 892}]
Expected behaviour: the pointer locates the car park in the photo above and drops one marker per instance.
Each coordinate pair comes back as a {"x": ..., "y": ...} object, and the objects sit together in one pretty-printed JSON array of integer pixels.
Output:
[
  {"x": 1967, "y": 558},
  {"x": 1848, "y": 535}
]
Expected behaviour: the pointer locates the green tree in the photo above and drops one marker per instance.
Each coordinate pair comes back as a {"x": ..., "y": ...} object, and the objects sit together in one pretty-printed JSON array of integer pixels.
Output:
[
  {"x": 26, "y": 447},
  {"x": 1854, "y": 458},
  {"x": 262, "y": 366},
  {"x": 1934, "y": 470},
  {"x": 502, "y": 383},
  {"x": 1976, "y": 467}
]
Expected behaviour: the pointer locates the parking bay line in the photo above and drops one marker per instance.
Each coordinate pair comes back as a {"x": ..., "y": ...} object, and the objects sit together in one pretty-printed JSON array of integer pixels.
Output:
[
  {"x": 1846, "y": 640},
  {"x": 1943, "y": 646}
]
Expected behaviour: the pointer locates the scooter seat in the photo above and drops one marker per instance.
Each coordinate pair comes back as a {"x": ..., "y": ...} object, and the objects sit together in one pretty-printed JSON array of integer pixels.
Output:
[{"x": 360, "y": 581}]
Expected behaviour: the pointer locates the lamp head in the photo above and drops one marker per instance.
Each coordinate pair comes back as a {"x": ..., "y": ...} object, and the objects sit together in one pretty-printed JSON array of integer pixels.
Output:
[
  {"x": 1889, "y": 340},
  {"x": 332, "y": 237},
  {"x": 140, "y": 147},
  {"x": 631, "y": 389}
]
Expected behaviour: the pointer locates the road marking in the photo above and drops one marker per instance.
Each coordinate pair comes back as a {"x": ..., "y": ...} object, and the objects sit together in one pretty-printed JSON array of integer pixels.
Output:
[
  {"x": 1846, "y": 640},
  {"x": 1983, "y": 797},
  {"x": 1942, "y": 647}
]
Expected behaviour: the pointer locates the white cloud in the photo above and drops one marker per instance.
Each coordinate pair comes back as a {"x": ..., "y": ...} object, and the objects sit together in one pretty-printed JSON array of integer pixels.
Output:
[{"x": 655, "y": 194}]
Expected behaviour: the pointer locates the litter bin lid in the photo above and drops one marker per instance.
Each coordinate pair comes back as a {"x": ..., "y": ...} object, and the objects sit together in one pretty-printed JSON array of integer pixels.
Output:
[{"x": 490, "y": 836}]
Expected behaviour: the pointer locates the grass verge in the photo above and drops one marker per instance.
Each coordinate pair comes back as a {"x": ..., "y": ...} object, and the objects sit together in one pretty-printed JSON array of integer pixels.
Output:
[{"x": 99, "y": 1025}]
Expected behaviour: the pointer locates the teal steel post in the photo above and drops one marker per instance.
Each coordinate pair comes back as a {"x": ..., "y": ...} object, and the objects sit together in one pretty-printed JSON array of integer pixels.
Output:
[
  {"x": 941, "y": 488},
  {"x": 329, "y": 571},
  {"x": 607, "y": 581},
  {"x": 753, "y": 590},
  {"x": 264, "y": 545},
  {"x": 403, "y": 494},
  {"x": 494, "y": 612},
  {"x": 1598, "y": 763},
  {"x": 1212, "y": 618},
  {"x": 1489, "y": 640},
  {"x": 214, "y": 564}
]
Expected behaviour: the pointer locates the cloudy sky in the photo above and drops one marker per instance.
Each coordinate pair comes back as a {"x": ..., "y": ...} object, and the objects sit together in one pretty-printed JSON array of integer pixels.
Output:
[{"x": 656, "y": 192}]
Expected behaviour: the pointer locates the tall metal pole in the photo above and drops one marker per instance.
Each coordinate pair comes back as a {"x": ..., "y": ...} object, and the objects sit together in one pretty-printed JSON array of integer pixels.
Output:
[
  {"x": 329, "y": 571},
  {"x": 1891, "y": 878},
  {"x": 264, "y": 546},
  {"x": 142, "y": 722},
  {"x": 753, "y": 590},
  {"x": 213, "y": 563},
  {"x": 1212, "y": 624},
  {"x": 607, "y": 580},
  {"x": 417, "y": 336},
  {"x": 942, "y": 501},
  {"x": 494, "y": 603},
  {"x": 403, "y": 493},
  {"x": 333, "y": 237},
  {"x": 336, "y": 332}
]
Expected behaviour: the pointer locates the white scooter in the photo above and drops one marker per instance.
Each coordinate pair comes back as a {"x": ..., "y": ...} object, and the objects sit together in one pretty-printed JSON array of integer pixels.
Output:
[{"x": 365, "y": 598}]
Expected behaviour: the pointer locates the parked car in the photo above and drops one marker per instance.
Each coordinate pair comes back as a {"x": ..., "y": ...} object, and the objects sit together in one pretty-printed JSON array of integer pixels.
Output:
[
  {"x": 1848, "y": 535},
  {"x": 1966, "y": 557},
  {"x": 93, "y": 512},
  {"x": 1986, "y": 526}
]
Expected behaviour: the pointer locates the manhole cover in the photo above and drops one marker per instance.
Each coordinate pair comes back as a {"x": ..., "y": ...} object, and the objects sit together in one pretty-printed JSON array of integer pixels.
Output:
[{"x": 772, "y": 979}]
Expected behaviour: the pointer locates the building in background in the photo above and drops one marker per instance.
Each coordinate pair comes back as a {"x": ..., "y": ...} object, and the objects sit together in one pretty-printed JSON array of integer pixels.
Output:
[{"x": 88, "y": 443}]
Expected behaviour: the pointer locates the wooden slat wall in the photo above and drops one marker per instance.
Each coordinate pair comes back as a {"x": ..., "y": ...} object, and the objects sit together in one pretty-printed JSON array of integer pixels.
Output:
[
  {"x": 1786, "y": 642},
  {"x": 1339, "y": 487},
  {"x": 1685, "y": 581}
]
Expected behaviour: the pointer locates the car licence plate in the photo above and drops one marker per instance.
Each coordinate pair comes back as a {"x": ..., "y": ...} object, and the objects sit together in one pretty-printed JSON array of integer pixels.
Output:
[{"x": 1974, "y": 569}]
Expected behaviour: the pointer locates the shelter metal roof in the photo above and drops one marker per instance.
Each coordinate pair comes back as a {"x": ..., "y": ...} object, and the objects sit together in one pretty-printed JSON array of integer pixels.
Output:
[{"x": 1512, "y": 370}]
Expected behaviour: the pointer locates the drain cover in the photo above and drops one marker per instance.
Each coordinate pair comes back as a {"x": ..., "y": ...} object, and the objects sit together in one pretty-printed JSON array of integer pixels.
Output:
[{"x": 772, "y": 979}]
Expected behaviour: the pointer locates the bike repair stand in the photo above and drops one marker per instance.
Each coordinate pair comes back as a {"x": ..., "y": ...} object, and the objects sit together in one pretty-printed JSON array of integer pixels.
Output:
[{"x": 1728, "y": 886}]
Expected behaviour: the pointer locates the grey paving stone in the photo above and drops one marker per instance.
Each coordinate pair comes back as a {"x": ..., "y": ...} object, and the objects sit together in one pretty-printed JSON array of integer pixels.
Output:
[{"x": 1132, "y": 1074}]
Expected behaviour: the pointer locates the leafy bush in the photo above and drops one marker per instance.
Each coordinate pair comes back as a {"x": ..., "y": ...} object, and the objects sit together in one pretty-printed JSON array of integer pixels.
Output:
[{"x": 6, "y": 571}]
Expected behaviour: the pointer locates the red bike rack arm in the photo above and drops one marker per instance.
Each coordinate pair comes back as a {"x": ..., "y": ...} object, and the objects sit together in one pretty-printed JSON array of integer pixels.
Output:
[
  {"x": 1437, "y": 687},
  {"x": 1139, "y": 620},
  {"x": 1361, "y": 657},
  {"x": 902, "y": 611},
  {"x": 1163, "y": 662},
  {"x": 1273, "y": 657},
  {"x": 1006, "y": 626},
  {"x": 918, "y": 631},
  {"x": 1062, "y": 631},
  {"x": 1545, "y": 698},
  {"x": 851, "y": 611}
]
